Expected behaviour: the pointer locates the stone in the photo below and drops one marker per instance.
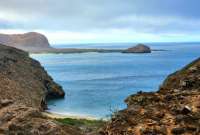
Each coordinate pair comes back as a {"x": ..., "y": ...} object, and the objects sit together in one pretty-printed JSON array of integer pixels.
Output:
[
  {"x": 186, "y": 110},
  {"x": 5, "y": 102},
  {"x": 178, "y": 130}
]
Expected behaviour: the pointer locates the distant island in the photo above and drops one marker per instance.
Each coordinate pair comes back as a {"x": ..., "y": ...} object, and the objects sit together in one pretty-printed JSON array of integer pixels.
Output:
[
  {"x": 140, "y": 48},
  {"x": 37, "y": 43}
]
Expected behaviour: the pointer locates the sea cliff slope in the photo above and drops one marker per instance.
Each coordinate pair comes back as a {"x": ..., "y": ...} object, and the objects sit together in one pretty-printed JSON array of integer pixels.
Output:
[
  {"x": 24, "y": 79},
  {"x": 24, "y": 88},
  {"x": 173, "y": 109}
]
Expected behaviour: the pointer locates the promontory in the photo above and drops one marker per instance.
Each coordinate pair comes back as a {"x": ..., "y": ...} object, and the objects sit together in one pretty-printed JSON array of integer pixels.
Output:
[
  {"x": 34, "y": 42},
  {"x": 24, "y": 88}
]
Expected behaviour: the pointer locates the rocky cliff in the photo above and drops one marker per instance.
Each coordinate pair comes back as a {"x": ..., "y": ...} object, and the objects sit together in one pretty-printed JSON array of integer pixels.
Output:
[
  {"x": 174, "y": 109},
  {"x": 24, "y": 80},
  {"x": 24, "y": 88},
  {"x": 31, "y": 41}
]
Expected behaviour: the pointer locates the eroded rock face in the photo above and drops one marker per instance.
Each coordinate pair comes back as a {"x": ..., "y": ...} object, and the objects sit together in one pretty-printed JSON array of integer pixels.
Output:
[
  {"x": 24, "y": 80},
  {"x": 29, "y": 41},
  {"x": 24, "y": 87},
  {"x": 140, "y": 48},
  {"x": 174, "y": 109}
]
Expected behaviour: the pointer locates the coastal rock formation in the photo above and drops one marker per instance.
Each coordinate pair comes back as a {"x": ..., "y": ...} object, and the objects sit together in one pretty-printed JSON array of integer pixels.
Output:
[
  {"x": 140, "y": 48},
  {"x": 31, "y": 41},
  {"x": 24, "y": 80},
  {"x": 24, "y": 88},
  {"x": 188, "y": 77},
  {"x": 174, "y": 109},
  {"x": 18, "y": 119}
]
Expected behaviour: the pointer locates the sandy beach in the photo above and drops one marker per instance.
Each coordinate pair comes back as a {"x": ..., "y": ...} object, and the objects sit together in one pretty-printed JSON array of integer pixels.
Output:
[{"x": 62, "y": 116}]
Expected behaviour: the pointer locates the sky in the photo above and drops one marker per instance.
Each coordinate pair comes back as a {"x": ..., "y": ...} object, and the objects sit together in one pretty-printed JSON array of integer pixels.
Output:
[{"x": 102, "y": 21}]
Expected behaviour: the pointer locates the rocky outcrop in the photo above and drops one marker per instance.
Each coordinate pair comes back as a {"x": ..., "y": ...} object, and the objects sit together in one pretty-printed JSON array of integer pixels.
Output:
[
  {"x": 174, "y": 109},
  {"x": 24, "y": 88},
  {"x": 24, "y": 80},
  {"x": 140, "y": 48},
  {"x": 188, "y": 77},
  {"x": 31, "y": 41},
  {"x": 18, "y": 119}
]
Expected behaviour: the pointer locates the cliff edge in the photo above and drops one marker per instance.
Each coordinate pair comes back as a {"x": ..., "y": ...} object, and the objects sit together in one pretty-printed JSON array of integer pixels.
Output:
[
  {"x": 174, "y": 109},
  {"x": 24, "y": 88},
  {"x": 24, "y": 80}
]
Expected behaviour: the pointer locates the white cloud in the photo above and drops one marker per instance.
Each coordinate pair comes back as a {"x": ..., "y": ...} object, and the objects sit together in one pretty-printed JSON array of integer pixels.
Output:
[
  {"x": 109, "y": 36},
  {"x": 102, "y": 20}
]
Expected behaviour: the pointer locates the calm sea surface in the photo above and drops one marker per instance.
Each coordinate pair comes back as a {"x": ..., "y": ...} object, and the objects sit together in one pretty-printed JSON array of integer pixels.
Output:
[{"x": 97, "y": 83}]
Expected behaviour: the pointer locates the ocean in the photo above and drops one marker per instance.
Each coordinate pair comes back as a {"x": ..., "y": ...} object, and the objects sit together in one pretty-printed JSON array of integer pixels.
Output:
[{"x": 96, "y": 84}]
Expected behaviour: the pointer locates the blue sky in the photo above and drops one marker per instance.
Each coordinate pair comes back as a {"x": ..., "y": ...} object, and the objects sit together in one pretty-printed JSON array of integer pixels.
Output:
[{"x": 86, "y": 21}]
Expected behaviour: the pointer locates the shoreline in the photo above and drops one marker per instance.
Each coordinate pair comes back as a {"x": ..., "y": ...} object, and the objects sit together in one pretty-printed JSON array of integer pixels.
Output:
[
  {"x": 55, "y": 115},
  {"x": 73, "y": 50},
  {"x": 81, "y": 50}
]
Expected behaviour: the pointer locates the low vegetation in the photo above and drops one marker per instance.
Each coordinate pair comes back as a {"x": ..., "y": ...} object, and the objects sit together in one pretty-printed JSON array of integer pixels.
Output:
[{"x": 87, "y": 126}]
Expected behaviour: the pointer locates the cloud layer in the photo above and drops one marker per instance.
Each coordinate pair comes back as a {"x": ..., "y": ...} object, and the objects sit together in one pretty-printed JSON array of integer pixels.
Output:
[{"x": 99, "y": 17}]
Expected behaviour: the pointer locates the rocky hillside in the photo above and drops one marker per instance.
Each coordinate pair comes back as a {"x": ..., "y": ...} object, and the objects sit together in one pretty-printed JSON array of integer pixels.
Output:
[
  {"x": 19, "y": 119},
  {"x": 24, "y": 88},
  {"x": 174, "y": 109},
  {"x": 31, "y": 41},
  {"x": 24, "y": 80},
  {"x": 188, "y": 77}
]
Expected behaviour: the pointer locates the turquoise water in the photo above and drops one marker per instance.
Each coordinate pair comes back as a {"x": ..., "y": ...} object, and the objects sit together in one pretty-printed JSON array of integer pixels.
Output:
[{"x": 97, "y": 83}]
